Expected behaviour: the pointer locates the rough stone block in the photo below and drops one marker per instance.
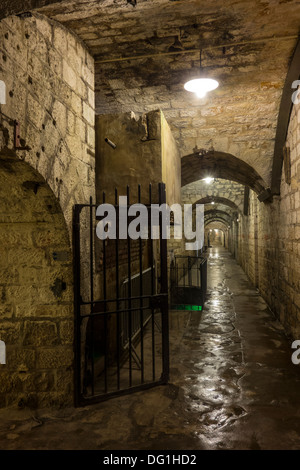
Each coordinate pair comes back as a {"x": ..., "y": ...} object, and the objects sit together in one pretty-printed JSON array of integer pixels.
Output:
[
  {"x": 55, "y": 358},
  {"x": 10, "y": 383},
  {"x": 69, "y": 75},
  {"x": 76, "y": 104},
  {"x": 40, "y": 333},
  {"x": 38, "y": 382},
  {"x": 10, "y": 332},
  {"x": 64, "y": 380},
  {"x": 20, "y": 359},
  {"x": 88, "y": 114},
  {"x": 59, "y": 114},
  {"x": 6, "y": 311},
  {"x": 60, "y": 40},
  {"x": 45, "y": 28},
  {"x": 66, "y": 332}
]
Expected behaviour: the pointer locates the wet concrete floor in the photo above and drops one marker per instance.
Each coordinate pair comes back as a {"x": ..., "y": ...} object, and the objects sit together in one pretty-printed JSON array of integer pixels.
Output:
[{"x": 232, "y": 386}]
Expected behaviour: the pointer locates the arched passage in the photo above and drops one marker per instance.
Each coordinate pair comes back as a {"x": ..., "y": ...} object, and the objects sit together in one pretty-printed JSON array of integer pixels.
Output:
[
  {"x": 217, "y": 200},
  {"x": 36, "y": 289},
  {"x": 217, "y": 213},
  {"x": 216, "y": 233},
  {"x": 216, "y": 219},
  {"x": 220, "y": 165}
]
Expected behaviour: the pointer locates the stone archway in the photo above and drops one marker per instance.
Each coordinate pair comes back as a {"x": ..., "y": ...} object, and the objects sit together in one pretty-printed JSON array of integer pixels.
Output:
[
  {"x": 216, "y": 233},
  {"x": 36, "y": 286},
  {"x": 213, "y": 214},
  {"x": 217, "y": 200},
  {"x": 220, "y": 165}
]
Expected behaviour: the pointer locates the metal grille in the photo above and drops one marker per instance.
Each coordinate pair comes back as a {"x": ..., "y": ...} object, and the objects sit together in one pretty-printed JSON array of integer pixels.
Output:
[
  {"x": 121, "y": 305},
  {"x": 188, "y": 281},
  {"x": 143, "y": 279}
]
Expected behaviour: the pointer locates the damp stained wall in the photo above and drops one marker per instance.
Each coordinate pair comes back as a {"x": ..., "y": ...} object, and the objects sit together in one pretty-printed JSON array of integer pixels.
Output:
[{"x": 145, "y": 153}]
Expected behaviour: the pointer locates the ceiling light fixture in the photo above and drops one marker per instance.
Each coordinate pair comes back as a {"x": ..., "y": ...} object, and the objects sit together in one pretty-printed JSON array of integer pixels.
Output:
[
  {"x": 208, "y": 180},
  {"x": 201, "y": 84}
]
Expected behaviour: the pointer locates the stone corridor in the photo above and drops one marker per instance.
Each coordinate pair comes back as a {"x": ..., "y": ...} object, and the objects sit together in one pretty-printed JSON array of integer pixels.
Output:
[{"x": 232, "y": 386}]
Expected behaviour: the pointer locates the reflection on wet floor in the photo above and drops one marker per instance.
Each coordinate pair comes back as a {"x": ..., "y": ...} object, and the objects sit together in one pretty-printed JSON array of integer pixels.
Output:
[
  {"x": 232, "y": 385},
  {"x": 240, "y": 379}
]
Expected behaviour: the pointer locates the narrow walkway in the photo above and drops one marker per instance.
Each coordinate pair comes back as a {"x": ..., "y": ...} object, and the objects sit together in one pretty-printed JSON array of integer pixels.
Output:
[{"x": 233, "y": 386}]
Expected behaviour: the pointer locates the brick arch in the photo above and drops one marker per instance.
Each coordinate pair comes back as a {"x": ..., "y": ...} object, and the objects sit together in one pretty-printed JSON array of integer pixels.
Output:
[
  {"x": 220, "y": 225},
  {"x": 220, "y": 165},
  {"x": 219, "y": 200},
  {"x": 216, "y": 224},
  {"x": 216, "y": 219},
  {"x": 219, "y": 188},
  {"x": 214, "y": 214},
  {"x": 221, "y": 207}
]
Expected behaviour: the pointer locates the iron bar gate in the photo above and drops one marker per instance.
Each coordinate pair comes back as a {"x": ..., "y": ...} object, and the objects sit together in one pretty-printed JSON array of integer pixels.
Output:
[
  {"x": 188, "y": 282},
  {"x": 121, "y": 305}
]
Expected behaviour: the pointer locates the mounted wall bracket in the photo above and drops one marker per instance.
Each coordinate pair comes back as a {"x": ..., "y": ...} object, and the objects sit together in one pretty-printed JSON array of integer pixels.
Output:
[
  {"x": 17, "y": 139},
  {"x": 265, "y": 196}
]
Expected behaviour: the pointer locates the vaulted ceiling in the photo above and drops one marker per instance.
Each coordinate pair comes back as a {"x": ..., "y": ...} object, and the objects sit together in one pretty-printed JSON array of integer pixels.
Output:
[{"x": 145, "y": 50}]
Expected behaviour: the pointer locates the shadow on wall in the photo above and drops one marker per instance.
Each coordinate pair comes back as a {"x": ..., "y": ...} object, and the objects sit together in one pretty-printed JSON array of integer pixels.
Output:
[{"x": 36, "y": 317}]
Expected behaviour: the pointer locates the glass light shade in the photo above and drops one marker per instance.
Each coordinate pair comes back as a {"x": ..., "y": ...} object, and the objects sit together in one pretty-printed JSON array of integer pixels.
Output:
[{"x": 201, "y": 86}]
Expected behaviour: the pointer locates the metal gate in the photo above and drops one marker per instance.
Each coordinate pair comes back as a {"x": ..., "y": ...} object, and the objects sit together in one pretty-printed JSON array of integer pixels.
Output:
[
  {"x": 121, "y": 304},
  {"x": 188, "y": 282}
]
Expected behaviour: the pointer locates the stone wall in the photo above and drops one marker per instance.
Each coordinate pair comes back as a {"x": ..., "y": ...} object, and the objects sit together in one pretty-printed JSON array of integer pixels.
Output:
[
  {"x": 289, "y": 233},
  {"x": 258, "y": 249},
  {"x": 145, "y": 153},
  {"x": 248, "y": 239},
  {"x": 269, "y": 240},
  {"x": 219, "y": 188},
  {"x": 216, "y": 234},
  {"x": 136, "y": 158},
  {"x": 49, "y": 77},
  {"x": 36, "y": 285},
  {"x": 171, "y": 168}
]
